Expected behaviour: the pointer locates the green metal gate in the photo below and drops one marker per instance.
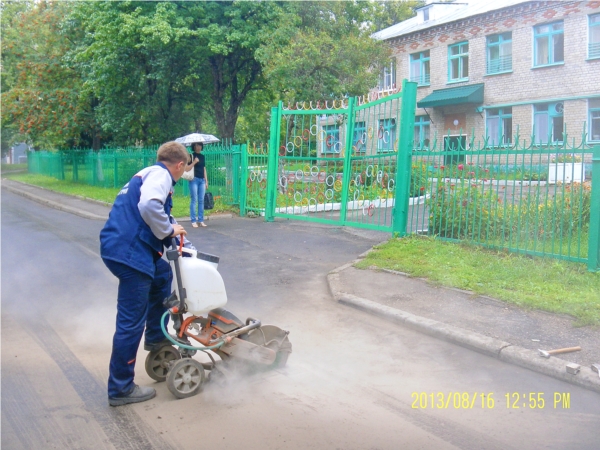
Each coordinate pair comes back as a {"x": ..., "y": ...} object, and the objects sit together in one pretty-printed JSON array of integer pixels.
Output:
[{"x": 345, "y": 162}]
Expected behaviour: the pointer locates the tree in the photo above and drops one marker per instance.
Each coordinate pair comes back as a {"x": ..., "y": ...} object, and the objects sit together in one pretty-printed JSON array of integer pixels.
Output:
[
  {"x": 233, "y": 34},
  {"x": 140, "y": 60},
  {"x": 133, "y": 71},
  {"x": 323, "y": 50},
  {"x": 41, "y": 94},
  {"x": 391, "y": 12},
  {"x": 329, "y": 51}
]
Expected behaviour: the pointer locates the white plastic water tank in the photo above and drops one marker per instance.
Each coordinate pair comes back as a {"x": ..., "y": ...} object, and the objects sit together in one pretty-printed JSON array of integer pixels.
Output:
[{"x": 203, "y": 284}]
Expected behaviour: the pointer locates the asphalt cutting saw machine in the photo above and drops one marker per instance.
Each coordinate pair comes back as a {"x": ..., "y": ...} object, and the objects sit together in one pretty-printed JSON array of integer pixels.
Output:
[{"x": 198, "y": 290}]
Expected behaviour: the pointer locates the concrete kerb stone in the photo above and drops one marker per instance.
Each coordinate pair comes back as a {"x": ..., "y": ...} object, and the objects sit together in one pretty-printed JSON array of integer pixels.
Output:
[
  {"x": 496, "y": 348},
  {"x": 554, "y": 367}
]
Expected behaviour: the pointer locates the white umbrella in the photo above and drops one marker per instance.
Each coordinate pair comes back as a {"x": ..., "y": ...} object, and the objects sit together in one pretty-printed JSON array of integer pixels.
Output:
[{"x": 196, "y": 137}]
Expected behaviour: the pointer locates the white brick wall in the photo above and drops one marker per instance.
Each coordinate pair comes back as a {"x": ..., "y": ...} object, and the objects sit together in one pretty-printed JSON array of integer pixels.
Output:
[{"x": 525, "y": 85}]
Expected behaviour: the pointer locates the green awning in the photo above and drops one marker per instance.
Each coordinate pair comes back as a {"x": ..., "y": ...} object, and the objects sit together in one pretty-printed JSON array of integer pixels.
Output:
[{"x": 472, "y": 93}]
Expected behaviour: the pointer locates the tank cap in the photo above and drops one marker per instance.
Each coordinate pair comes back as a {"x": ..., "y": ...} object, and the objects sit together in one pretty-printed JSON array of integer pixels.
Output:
[{"x": 207, "y": 257}]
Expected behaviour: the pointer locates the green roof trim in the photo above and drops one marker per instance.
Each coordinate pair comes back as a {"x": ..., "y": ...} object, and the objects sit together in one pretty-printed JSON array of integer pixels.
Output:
[{"x": 472, "y": 93}]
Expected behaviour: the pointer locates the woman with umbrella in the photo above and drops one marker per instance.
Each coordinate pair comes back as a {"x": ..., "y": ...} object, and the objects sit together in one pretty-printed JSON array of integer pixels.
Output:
[{"x": 198, "y": 185}]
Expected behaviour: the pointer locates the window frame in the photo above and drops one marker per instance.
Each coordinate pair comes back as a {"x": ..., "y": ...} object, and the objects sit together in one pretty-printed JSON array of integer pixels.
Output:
[
  {"x": 550, "y": 124},
  {"x": 389, "y": 71},
  {"x": 501, "y": 42},
  {"x": 420, "y": 123},
  {"x": 595, "y": 53},
  {"x": 330, "y": 130},
  {"x": 386, "y": 126},
  {"x": 360, "y": 131},
  {"x": 593, "y": 109},
  {"x": 423, "y": 79},
  {"x": 549, "y": 35},
  {"x": 462, "y": 57},
  {"x": 503, "y": 139}
]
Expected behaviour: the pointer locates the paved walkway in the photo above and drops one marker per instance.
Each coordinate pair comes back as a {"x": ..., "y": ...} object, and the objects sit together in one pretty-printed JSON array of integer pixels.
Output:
[{"x": 485, "y": 325}]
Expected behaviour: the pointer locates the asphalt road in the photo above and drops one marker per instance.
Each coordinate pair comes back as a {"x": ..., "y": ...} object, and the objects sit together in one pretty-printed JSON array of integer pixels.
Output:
[{"x": 353, "y": 381}]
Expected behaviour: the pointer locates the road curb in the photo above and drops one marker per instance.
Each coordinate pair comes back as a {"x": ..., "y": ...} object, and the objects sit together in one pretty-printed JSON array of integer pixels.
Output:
[
  {"x": 53, "y": 204},
  {"x": 496, "y": 348}
]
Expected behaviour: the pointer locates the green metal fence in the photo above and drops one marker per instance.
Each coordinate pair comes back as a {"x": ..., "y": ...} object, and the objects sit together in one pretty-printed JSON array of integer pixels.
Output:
[
  {"x": 541, "y": 200},
  {"x": 255, "y": 159},
  {"x": 533, "y": 199},
  {"x": 114, "y": 167},
  {"x": 343, "y": 162}
]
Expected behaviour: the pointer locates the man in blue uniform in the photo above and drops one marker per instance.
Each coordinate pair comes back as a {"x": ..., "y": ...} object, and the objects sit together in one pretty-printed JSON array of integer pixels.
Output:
[{"x": 132, "y": 241}]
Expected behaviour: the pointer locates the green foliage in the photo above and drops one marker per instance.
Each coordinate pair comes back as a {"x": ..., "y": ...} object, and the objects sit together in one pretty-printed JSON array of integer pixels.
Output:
[
  {"x": 419, "y": 178},
  {"x": 465, "y": 210},
  {"x": 486, "y": 173},
  {"x": 138, "y": 73},
  {"x": 140, "y": 62},
  {"x": 390, "y": 12},
  {"x": 540, "y": 216},
  {"x": 42, "y": 96},
  {"x": 323, "y": 51}
]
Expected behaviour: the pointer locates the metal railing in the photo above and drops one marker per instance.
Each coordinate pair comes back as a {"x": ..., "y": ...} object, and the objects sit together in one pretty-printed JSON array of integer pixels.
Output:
[
  {"x": 113, "y": 167},
  {"x": 500, "y": 64},
  {"x": 533, "y": 199}
]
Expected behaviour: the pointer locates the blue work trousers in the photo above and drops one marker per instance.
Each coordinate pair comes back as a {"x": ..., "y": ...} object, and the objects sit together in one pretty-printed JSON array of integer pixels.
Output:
[
  {"x": 197, "y": 190},
  {"x": 139, "y": 305}
]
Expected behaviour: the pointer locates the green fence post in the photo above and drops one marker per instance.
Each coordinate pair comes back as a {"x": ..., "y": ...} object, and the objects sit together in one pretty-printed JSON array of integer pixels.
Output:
[
  {"x": 404, "y": 158},
  {"x": 237, "y": 176},
  {"x": 62, "y": 158},
  {"x": 94, "y": 167},
  {"x": 347, "y": 159},
  {"x": 272, "y": 163},
  {"x": 75, "y": 156},
  {"x": 243, "y": 178},
  {"x": 594, "y": 235},
  {"x": 115, "y": 172}
]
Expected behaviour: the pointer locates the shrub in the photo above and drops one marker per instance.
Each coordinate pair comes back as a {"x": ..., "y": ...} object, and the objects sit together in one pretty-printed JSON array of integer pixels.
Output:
[
  {"x": 419, "y": 177},
  {"x": 464, "y": 211}
]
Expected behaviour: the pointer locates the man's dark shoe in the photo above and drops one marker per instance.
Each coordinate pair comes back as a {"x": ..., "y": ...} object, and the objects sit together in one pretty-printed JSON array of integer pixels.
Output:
[
  {"x": 139, "y": 394},
  {"x": 155, "y": 346}
]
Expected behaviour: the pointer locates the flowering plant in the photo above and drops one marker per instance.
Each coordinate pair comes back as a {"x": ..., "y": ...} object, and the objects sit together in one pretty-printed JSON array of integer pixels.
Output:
[{"x": 567, "y": 158}]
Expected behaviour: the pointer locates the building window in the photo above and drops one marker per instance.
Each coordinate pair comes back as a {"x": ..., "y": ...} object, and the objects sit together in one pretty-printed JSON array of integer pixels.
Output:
[
  {"x": 548, "y": 122},
  {"x": 360, "y": 137},
  {"x": 458, "y": 62},
  {"x": 387, "y": 78},
  {"x": 594, "y": 36},
  {"x": 419, "y": 68},
  {"x": 386, "y": 135},
  {"x": 594, "y": 119},
  {"x": 499, "y": 53},
  {"x": 331, "y": 143},
  {"x": 421, "y": 136},
  {"x": 549, "y": 43},
  {"x": 498, "y": 125}
]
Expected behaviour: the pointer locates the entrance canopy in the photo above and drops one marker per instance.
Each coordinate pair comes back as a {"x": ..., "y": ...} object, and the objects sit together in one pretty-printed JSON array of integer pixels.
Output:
[{"x": 472, "y": 93}]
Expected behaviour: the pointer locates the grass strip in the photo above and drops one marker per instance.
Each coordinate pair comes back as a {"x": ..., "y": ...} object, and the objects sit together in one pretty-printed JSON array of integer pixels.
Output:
[{"x": 181, "y": 205}]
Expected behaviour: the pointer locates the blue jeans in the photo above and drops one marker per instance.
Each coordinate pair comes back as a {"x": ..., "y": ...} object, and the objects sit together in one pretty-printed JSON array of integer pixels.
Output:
[
  {"x": 139, "y": 305},
  {"x": 197, "y": 189}
]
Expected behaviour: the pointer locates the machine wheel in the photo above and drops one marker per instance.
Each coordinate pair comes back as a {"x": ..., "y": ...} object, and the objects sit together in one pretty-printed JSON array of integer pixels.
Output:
[
  {"x": 186, "y": 377},
  {"x": 158, "y": 362}
]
